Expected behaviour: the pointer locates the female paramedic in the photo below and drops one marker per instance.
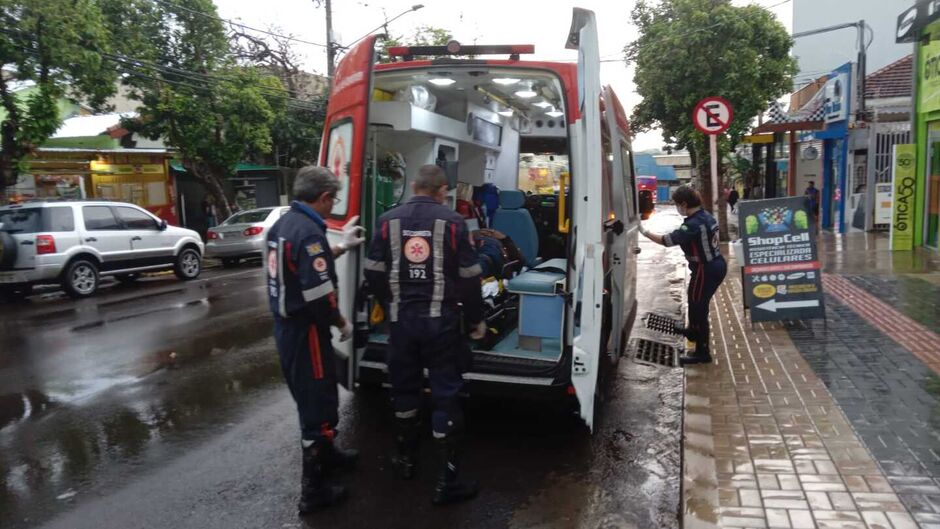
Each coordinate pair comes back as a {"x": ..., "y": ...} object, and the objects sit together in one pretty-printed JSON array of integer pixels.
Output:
[{"x": 698, "y": 238}]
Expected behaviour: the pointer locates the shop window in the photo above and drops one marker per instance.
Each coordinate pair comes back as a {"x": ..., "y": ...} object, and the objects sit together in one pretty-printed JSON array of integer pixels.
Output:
[{"x": 99, "y": 218}]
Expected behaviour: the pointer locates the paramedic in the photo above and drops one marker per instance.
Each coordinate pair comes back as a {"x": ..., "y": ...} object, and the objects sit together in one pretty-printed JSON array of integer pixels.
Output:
[
  {"x": 421, "y": 265},
  {"x": 698, "y": 238},
  {"x": 302, "y": 294}
]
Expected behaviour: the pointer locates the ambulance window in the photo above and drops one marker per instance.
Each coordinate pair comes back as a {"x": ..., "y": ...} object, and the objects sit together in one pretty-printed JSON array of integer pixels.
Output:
[
  {"x": 629, "y": 179},
  {"x": 539, "y": 174},
  {"x": 338, "y": 156}
]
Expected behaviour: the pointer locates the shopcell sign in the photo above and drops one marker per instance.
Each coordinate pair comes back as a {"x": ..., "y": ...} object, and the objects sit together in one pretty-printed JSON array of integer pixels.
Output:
[
  {"x": 905, "y": 188},
  {"x": 929, "y": 87},
  {"x": 782, "y": 274},
  {"x": 913, "y": 20}
]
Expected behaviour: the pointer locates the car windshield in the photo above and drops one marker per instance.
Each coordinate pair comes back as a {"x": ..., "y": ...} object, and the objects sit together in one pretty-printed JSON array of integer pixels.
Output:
[
  {"x": 21, "y": 220},
  {"x": 246, "y": 217}
]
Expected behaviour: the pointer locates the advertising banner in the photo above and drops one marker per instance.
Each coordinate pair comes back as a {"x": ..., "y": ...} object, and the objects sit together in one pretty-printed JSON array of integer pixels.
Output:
[
  {"x": 905, "y": 189},
  {"x": 782, "y": 274}
]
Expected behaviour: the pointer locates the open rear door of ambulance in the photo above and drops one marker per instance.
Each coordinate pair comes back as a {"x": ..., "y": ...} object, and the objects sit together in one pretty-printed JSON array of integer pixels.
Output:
[
  {"x": 343, "y": 152},
  {"x": 587, "y": 210}
]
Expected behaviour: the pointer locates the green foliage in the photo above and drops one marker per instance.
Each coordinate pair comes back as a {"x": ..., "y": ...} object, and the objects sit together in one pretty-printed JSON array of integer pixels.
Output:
[
  {"x": 421, "y": 36},
  {"x": 194, "y": 96},
  {"x": 691, "y": 49},
  {"x": 57, "y": 45}
]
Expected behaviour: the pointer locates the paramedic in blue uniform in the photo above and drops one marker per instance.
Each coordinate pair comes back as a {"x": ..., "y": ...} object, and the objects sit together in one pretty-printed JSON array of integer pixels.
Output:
[
  {"x": 302, "y": 294},
  {"x": 421, "y": 265},
  {"x": 698, "y": 238}
]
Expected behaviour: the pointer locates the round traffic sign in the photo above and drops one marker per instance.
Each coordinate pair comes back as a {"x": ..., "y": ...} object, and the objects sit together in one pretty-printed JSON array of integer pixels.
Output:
[{"x": 712, "y": 115}]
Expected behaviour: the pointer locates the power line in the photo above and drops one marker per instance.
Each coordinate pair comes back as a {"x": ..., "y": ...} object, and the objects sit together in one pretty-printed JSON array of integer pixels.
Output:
[{"x": 238, "y": 24}]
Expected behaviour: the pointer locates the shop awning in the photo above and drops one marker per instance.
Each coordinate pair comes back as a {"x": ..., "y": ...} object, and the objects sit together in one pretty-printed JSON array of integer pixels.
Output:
[{"x": 240, "y": 168}]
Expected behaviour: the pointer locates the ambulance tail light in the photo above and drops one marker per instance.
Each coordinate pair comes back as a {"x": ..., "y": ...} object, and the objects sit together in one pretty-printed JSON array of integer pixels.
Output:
[
  {"x": 252, "y": 231},
  {"x": 45, "y": 244},
  {"x": 211, "y": 235}
]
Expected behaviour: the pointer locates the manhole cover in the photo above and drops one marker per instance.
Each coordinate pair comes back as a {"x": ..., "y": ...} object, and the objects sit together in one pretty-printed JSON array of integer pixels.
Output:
[
  {"x": 655, "y": 353},
  {"x": 660, "y": 323}
]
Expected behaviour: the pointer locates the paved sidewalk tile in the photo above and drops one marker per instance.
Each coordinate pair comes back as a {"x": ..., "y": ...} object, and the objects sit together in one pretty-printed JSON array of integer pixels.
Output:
[
  {"x": 766, "y": 445},
  {"x": 891, "y": 398}
]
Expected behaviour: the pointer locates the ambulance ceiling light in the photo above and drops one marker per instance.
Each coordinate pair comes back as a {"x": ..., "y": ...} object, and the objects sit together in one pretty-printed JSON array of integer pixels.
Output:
[
  {"x": 505, "y": 81},
  {"x": 442, "y": 81},
  {"x": 554, "y": 113},
  {"x": 543, "y": 104},
  {"x": 507, "y": 112}
]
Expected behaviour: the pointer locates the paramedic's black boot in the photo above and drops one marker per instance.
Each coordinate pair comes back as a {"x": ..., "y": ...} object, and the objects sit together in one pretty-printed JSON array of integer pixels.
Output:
[
  {"x": 682, "y": 330},
  {"x": 406, "y": 457},
  {"x": 336, "y": 458},
  {"x": 701, "y": 355},
  {"x": 316, "y": 493},
  {"x": 448, "y": 489}
]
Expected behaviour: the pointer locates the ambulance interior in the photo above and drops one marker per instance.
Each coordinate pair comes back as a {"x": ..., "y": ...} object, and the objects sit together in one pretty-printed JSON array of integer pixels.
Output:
[{"x": 490, "y": 129}]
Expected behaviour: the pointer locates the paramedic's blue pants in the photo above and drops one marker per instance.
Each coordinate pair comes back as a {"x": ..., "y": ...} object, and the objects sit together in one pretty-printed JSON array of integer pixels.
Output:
[
  {"x": 419, "y": 342},
  {"x": 307, "y": 363},
  {"x": 706, "y": 277}
]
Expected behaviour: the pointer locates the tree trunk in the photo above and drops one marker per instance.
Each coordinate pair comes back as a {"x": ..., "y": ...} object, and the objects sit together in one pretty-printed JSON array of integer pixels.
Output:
[
  {"x": 212, "y": 179},
  {"x": 722, "y": 205}
]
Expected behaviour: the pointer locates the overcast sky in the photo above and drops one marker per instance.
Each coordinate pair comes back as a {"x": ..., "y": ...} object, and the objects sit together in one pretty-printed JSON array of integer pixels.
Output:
[{"x": 542, "y": 23}]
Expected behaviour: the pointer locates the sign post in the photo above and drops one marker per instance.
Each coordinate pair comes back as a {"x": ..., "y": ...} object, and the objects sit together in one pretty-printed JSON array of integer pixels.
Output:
[
  {"x": 782, "y": 274},
  {"x": 712, "y": 116},
  {"x": 905, "y": 189}
]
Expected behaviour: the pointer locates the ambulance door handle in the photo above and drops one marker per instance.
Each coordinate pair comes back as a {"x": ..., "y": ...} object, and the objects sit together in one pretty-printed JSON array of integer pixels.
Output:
[{"x": 637, "y": 250}]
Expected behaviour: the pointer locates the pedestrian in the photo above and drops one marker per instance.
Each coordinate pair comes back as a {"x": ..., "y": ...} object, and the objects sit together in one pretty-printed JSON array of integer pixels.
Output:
[
  {"x": 210, "y": 212},
  {"x": 302, "y": 294},
  {"x": 699, "y": 240},
  {"x": 421, "y": 265},
  {"x": 812, "y": 198},
  {"x": 733, "y": 198}
]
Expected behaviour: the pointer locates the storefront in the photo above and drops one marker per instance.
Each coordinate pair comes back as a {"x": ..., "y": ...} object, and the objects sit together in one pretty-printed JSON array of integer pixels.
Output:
[{"x": 921, "y": 25}]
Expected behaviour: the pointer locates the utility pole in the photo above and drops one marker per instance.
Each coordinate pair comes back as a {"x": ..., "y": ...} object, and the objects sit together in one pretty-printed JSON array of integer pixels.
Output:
[{"x": 330, "y": 45}]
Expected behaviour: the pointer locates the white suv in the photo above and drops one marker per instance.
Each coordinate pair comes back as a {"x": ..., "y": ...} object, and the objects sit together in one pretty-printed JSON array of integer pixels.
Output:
[{"x": 75, "y": 243}]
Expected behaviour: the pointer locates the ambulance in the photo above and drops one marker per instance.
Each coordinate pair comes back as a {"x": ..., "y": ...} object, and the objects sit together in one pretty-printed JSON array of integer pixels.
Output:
[{"x": 546, "y": 152}]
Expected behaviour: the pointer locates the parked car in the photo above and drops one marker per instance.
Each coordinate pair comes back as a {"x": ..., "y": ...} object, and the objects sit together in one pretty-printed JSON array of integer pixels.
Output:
[
  {"x": 242, "y": 235},
  {"x": 76, "y": 243}
]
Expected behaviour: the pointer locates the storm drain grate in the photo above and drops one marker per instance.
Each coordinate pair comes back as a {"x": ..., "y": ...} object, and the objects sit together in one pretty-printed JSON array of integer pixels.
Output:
[
  {"x": 660, "y": 323},
  {"x": 655, "y": 353}
]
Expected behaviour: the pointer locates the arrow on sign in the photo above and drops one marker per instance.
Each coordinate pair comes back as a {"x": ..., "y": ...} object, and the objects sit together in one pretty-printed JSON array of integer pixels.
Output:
[{"x": 773, "y": 304}]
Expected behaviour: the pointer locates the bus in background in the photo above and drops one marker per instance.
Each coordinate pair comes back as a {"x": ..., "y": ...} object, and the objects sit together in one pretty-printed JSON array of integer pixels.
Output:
[{"x": 646, "y": 190}]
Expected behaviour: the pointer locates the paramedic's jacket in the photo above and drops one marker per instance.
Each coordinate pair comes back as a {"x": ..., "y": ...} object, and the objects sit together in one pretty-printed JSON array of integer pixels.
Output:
[
  {"x": 301, "y": 273},
  {"x": 698, "y": 238},
  {"x": 421, "y": 262}
]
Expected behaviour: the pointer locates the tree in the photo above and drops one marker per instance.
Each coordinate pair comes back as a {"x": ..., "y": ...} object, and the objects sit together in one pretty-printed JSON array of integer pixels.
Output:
[
  {"x": 421, "y": 36},
  {"x": 195, "y": 97},
  {"x": 691, "y": 49},
  {"x": 54, "y": 45},
  {"x": 296, "y": 133}
]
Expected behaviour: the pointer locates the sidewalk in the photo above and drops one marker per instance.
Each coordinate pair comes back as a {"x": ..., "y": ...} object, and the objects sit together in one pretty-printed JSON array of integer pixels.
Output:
[{"x": 830, "y": 423}]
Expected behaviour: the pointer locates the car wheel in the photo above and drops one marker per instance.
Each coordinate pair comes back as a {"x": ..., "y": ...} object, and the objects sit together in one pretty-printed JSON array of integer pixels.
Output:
[
  {"x": 127, "y": 278},
  {"x": 230, "y": 262},
  {"x": 80, "y": 279},
  {"x": 188, "y": 264}
]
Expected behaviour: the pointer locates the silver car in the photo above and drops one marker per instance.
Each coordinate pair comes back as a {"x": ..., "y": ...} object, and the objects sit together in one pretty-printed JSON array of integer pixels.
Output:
[{"x": 242, "y": 235}]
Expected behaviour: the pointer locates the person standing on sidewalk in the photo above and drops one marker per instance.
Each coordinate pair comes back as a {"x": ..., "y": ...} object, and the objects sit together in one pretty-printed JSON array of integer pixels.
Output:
[
  {"x": 421, "y": 264},
  {"x": 302, "y": 295},
  {"x": 733, "y": 197},
  {"x": 699, "y": 240}
]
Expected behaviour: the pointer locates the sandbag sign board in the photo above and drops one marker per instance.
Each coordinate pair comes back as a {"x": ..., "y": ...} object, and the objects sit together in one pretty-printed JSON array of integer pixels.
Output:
[{"x": 782, "y": 273}]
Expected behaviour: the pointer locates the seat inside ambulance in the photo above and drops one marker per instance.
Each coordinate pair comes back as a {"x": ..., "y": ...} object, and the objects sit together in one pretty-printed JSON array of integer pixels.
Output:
[{"x": 492, "y": 130}]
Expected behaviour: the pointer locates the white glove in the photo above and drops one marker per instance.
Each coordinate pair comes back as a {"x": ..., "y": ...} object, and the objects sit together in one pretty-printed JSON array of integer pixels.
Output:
[
  {"x": 346, "y": 332},
  {"x": 352, "y": 235},
  {"x": 479, "y": 331}
]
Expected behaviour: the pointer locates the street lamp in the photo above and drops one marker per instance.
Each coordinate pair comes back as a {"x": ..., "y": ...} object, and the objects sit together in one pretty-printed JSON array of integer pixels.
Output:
[{"x": 387, "y": 22}]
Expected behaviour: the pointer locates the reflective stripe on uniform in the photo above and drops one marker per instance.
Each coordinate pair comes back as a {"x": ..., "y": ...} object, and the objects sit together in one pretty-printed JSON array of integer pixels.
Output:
[
  {"x": 406, "y": 414},
  {"x": 394, "y": 239},
  {"x": 315, "y": 293},
  {"x": 437, "y": 243},
  {"x": 706, "y": 244},
  {"x": 471, "y": 271},
  {"x": 281, "y": 288},
  {"x": 375, "y": 266}
]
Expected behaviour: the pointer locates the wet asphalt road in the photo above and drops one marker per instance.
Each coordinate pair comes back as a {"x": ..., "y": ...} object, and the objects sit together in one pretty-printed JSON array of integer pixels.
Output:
[{"x": 161, "y": 405}]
